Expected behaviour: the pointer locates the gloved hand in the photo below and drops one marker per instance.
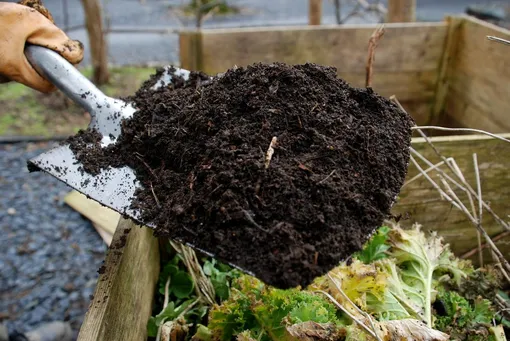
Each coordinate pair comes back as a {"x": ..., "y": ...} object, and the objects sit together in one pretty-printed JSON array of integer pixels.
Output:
[{"x": 20, "y": 24}]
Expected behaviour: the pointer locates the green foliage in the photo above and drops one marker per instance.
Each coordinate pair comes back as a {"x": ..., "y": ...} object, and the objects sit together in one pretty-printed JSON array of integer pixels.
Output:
[
  {"x": 181, "y": 293},
  {"x": 264, "y": 311},
  {"x": 422, "y": 263},
  {"x": 461, "y": 319},
  {"x": 181, "y": 284},
  {"x": 202, "y": 334},
  {"x": 171, "y": 312},
  {"x": 220, "y": 275},
  {"x": 376, "y": 247}
]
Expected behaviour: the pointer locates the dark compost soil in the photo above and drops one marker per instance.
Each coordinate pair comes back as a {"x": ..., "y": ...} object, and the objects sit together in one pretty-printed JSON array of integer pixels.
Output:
[{"x": 199, "y": 149}]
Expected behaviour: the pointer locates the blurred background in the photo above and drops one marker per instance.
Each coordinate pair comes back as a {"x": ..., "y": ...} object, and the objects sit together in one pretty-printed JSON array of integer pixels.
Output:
[{"x": 50, "y": 253}]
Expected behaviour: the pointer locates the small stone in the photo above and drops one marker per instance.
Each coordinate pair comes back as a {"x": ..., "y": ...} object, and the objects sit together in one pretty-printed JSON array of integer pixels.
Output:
[
  {"x": 11, "y": 211},
  {"x": 69, "y": 287}
]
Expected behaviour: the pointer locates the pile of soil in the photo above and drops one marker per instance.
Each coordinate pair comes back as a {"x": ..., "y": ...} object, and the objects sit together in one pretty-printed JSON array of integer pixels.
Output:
[{"x": 200, "y": 148}]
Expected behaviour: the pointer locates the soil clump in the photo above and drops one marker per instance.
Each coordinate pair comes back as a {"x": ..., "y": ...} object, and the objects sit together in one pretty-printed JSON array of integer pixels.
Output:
[{"x": 200, "y": 148}]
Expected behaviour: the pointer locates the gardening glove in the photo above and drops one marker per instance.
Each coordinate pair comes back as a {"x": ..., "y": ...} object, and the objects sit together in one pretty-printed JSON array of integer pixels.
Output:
[{"x": 20, "y": 24}]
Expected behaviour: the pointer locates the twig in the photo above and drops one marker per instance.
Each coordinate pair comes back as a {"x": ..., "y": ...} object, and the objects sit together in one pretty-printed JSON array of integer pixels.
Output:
[
  {"x": 465, "y": 189},
  {"x": 146, "y": 165},
  {"x": 461, "y": 129},
  {"x": 352, "y": 317},
  {"x": 499, "y": 40},
  {"x": 165, "y": 304},
  {"x": 372, "y": 44},
  {"x": 344, "y": 295},
  {"x": 419, "y": 175},
  {"x": 467, "y": 186},
  {"x": 480, "y": 208},
  {"x": 203, "y": 286},
  {"x": 270, "y": 151},
  {"x": 326, "y": 178},
  {"x": 457, "y": 203},
  {"x": 434, "y": 184},
  {"x": 154, "y": 194},
  {"x": 253, "y": 222},
  {"x": 484, "y": 245}
]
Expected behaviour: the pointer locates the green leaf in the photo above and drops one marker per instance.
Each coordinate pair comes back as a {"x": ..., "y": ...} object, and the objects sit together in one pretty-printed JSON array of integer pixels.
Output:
[
  {"x": 169, "y": 270},
  {"x": 421, "y": 260},
  {"x": 221, "y": 287},
  {"x": 313, "y": 311},
  {"x": 203, "y": 334},
  {"x": 208, "y": 268},
  {"x": 152, "y": 328},
  {"x": 168, "y": 313},
  {"x": 181, "y": 284},
  {"x": 376, "y": 247}
]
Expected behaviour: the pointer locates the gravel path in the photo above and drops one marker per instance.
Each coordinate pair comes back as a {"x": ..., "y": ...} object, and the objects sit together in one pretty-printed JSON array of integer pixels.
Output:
[{"x": 50, "y": 253}]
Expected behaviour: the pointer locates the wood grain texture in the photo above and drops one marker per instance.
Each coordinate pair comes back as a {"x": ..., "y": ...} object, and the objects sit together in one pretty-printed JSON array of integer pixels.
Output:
[
  {"x": 314, "y": 12},
  {"x": 479, "y": 78},
  {"x": 443, "y": 81},
  {"x": 406, "y": 62},
  {"x": 104, "y": 218},
  {"x": 424, "y": 205},
  {"x": 122, "y": 302},
  {"x": 401, "y": 11}
]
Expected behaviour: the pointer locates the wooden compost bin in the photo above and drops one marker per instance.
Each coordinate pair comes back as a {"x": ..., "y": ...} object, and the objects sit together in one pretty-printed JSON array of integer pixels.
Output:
[{"x": 444, "y": 73}]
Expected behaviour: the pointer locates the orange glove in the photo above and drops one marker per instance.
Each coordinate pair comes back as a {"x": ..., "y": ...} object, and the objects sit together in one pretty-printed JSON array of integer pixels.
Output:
[{"x": 20, "y": 24}]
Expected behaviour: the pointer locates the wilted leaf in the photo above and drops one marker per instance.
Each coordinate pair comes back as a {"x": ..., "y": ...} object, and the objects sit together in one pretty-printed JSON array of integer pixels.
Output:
[
  {"x": 202, "y": 334},
  {"x": 359, "y": 282},
  {"x": 174, "y": 330},
  {"x": 409, "y": 330},
  {"x": 498, "y": 332},
  {"x": 313, "y": 331},
  {"x": 421, "y": 260},
  {"x": 245, "y": 336}
]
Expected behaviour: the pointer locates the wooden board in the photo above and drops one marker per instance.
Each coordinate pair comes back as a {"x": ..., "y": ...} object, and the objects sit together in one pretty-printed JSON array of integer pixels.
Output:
[
  {"x": 122, "y": 302},
  {"x": 406, "y": 63},
  {"x": 479, "y": 78},
  {"x": 105, "y": 235},
  {"x": 424, "y": 205},
  {"x": 100, "y": 216}
]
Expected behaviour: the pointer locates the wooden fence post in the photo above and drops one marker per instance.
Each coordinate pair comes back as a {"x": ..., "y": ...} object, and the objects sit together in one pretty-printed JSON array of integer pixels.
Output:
[
  {"x": 314, "y": 12},
  {"x": 401, "y": 11},
  {"x": 97, "y": 40}
]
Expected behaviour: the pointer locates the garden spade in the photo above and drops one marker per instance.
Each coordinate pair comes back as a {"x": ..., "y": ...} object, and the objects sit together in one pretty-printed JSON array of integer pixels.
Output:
[{"x": 117, "y": 186}]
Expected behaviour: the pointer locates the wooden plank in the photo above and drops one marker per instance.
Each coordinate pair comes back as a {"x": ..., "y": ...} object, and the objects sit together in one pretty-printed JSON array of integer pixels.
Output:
[
  {"x": 405, "y": 47},
  {"x": 443, "y": 81},
  {"x": 406, "y": 63},
  {"x": 105, "y": 218},
  {"x": 314, "y": 12},
  {"x": 122, "y": 302},
  {"x": 105, "y": 235},
  {"x": 401, "y": 11},
  {"x": 480, "y": 78},
  {"x": 422, "y": 202}
]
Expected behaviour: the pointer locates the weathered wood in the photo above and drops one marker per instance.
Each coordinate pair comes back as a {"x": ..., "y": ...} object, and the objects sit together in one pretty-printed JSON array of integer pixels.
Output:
[
  {"x": 422, "y": 201},
  {"x": 314, "y": 12},
  {"x": 97, "y": 40},
  {"x": 406, "y": 64},
  {"x": 105, "y": 235},
  {"x": 401, "y": 11},
  {"x": 99, "y": 215},
  {"x": 449, "y": 53},
  {"x": 122, "y": 302},
  {"x": 479, "y": 78}
]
